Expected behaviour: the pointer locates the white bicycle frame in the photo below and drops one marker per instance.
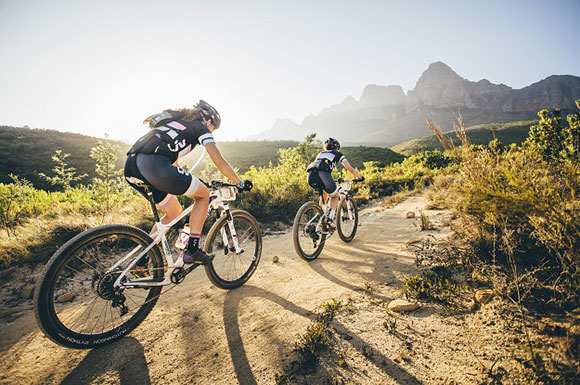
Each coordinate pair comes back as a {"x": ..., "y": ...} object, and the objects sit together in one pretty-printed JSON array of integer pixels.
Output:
[
  {"x": 217, "y": 198},
  {"x": 343, "y": 189}
]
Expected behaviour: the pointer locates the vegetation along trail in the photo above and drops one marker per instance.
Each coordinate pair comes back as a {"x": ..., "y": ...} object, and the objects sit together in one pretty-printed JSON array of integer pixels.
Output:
[{"x": 204, "y": 335}]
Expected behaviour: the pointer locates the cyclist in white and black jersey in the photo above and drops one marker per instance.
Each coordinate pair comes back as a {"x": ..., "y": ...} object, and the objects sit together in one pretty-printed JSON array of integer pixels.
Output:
[
  {"x": 153, "y": 160},
  {"x": 319, "y": 173}
]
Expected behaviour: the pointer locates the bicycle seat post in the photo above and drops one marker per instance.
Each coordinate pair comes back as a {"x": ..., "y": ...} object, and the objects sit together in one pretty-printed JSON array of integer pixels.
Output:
[{"x": 152, "y": 202}]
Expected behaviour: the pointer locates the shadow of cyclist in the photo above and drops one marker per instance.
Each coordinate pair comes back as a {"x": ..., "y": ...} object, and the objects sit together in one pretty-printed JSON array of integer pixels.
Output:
[
  {"x": 242, "y": 366},
  {"x": 125, "y": 356}
]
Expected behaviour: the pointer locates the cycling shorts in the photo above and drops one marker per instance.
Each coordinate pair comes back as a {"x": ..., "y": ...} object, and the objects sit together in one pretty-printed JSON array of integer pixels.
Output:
[
  {"x": 322, "y": 180},
  {"x": 163, "y": 178}
]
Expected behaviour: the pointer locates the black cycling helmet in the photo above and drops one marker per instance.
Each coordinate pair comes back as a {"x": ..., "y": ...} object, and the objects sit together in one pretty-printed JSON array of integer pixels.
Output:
[
  {"x": 210, "y": 113},
  {"x": 331, "y": 144}
]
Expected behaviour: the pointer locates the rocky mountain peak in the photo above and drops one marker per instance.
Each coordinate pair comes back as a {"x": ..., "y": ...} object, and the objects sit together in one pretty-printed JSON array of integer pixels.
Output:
[
  {"x": 438, "y": 71},
  {"x": 348, "y": 101},
  {"x": 375, "y": 95},
  {"x": 385, "y": 115},
  {"x": 440, "y": 87}
]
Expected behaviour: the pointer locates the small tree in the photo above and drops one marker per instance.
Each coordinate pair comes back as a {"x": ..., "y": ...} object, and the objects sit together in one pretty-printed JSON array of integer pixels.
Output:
[
  {"x": 554, "y": 140},
  {"x": 64, "y": 175},
  {"x": 573, "y": 140},
  {"x": 105, "y": 156},
  {"x": 309, "y": 148},
  {"x": 14, "y": 202}
]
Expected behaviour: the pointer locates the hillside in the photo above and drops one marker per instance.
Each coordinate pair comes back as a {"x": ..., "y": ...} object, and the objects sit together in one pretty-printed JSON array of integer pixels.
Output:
[
  {"x": 27, "y": 152},
  {"x": 386, "y": 116},
  {"x": 507, "y": 133}
]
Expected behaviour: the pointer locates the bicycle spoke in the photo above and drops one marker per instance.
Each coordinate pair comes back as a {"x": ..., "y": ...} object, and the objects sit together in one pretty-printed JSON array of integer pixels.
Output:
[
  {"x": 89, "y": 265},
  {"x": 76, "y": 271},
  {"x": 90, "y": 309}
]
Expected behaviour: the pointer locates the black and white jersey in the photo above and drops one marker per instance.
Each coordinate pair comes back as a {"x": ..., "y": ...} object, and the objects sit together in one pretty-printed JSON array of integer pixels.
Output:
[
  {"x": 327, "y": 160},
  {"x": 174, "y": 139}
]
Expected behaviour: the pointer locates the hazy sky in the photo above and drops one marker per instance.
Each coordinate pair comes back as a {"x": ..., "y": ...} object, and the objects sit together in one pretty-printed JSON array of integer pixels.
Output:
[{"x": 97, "y": 67}]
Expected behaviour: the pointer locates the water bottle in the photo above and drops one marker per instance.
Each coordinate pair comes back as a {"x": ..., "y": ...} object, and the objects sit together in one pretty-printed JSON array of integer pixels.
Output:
[{"x": 183, "y": 238}]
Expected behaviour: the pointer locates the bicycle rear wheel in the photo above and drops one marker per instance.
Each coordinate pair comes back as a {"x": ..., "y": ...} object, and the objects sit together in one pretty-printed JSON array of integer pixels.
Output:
[
  {"x": 229, "y": 269},
  {"x": 76, "y": 304},
  {"x": 308, "y": 243},
  {"x": 346, "y": 218}
]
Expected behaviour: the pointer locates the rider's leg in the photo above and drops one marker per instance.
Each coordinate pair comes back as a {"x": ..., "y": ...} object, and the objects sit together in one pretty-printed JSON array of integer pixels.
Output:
[
  {"x": 330, "y": 189},
  {"x": 171, "y": 207},
  {"x": 333, "y": 206},
  {"x": 334, "y": 201},
  {"x": 193, "y": 254},
  {"x": 199, "y": 211}
]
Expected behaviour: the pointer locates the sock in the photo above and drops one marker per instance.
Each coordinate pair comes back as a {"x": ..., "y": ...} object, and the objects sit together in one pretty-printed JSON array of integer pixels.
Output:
[{"x": 193, "y": 242}]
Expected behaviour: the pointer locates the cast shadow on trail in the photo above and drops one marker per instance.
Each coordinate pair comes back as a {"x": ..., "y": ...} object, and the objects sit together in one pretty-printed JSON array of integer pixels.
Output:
[
  {"x": 238, "y": 353},
  {"x": 125, "y": 356},
  {"x": 380, "y": 273}
]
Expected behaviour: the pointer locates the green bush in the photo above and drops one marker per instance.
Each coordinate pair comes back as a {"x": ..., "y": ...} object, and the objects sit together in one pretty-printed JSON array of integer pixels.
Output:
[{"x": 280, "y": 190}]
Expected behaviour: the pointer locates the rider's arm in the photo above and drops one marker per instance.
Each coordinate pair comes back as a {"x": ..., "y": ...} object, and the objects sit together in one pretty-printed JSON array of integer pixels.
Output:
[
  {"x": 352, "y": 170},
  {"x": 221, "y": 163}
]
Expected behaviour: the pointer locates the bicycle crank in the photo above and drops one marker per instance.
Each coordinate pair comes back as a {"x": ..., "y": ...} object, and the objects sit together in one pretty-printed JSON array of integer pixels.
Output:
[{"x": 179, "y": 274}]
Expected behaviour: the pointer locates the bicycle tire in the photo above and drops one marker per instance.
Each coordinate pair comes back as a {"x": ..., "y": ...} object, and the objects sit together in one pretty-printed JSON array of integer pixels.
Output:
[
  {"x": 340, "y": 217},
  {"x": 296, "y": 231},
  {"x": 228, "y": 258},
  {"x": 90, "y": 242}
]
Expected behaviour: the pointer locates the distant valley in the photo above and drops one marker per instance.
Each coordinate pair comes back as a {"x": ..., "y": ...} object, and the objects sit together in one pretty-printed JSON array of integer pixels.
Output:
[{"x": 386, "y": 116}]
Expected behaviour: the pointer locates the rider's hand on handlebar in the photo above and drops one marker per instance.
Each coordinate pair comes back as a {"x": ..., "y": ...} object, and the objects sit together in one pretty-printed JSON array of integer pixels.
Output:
[{"x": 245, "y": 185}]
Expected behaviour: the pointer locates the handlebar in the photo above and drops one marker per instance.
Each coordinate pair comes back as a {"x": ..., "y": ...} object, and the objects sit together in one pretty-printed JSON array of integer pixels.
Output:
[
  {"x": 340, "y": 180},
  {"x": 217, "y": 183}
]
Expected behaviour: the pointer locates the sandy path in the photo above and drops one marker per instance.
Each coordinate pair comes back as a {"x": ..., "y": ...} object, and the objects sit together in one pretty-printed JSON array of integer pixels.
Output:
[{"x": 200, "y": 334}]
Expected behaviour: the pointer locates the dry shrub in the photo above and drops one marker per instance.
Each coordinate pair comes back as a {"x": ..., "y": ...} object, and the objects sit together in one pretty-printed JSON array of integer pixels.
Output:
[
  {"x": 438, "y": 194},
  {"x": 514, "y": 190}
]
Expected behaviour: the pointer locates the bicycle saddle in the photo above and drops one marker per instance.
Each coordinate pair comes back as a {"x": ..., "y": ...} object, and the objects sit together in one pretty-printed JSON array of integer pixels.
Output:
[{"x": 136, "y": 181}]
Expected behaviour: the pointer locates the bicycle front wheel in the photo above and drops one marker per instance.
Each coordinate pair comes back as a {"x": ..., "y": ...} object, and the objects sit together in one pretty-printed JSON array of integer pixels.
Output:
[
  {"x": 346, "y": 218},
  {"x": 76, "y": 304},
  {"x": 308, "y": 242},
  {"x": 230, "y": 269}
]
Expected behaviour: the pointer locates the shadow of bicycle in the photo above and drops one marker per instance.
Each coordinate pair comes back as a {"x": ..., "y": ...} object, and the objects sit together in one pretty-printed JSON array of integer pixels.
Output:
[
  {"x": 125, "y": 357},
  {"x": 238, "y": 353}
]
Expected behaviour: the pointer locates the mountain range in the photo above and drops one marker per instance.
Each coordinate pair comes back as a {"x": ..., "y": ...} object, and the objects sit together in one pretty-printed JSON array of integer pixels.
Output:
[{"x": 386, "y": 116}]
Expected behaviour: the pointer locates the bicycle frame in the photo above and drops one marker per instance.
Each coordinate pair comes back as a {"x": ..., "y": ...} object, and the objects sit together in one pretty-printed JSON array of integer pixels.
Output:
[
  {"x": 343, "y": 189},
  {"x": 217, "y": 202}
]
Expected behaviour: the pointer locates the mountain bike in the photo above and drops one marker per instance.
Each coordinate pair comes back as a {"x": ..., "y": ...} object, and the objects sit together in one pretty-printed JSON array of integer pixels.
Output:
[
  {"x": 92, "y": 291},
  {"x": 311, "y": 225}
]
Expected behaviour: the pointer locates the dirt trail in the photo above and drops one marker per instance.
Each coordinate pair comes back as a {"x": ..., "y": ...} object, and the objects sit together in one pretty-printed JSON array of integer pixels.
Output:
[{"x": 198, "y": 333}]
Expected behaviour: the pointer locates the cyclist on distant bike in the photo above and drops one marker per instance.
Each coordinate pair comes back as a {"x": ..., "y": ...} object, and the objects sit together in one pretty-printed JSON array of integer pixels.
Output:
[
  {"x": 153, "y": 160},
  {"x": 319, "y": 173}
]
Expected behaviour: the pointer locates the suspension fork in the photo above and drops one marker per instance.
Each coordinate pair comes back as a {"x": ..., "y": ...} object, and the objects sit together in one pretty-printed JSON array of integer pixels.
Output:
[
  {"x": 349, "y": 207},
  {"x": 234, "y": 234}
]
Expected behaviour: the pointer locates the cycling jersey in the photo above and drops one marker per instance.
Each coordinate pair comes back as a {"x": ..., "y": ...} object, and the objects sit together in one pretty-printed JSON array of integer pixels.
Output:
[
  {"x": 326, "y": 160},
  {"x": 174, "y": 139}
]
